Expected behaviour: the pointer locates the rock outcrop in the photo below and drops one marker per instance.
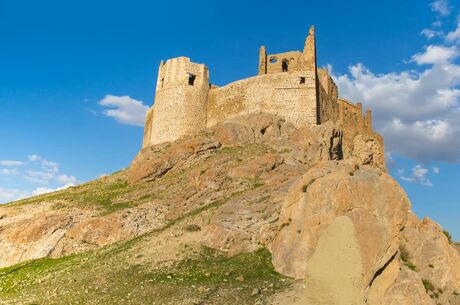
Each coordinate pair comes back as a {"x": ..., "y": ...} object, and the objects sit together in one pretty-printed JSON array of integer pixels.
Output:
[{"x": 318, "y": 198}]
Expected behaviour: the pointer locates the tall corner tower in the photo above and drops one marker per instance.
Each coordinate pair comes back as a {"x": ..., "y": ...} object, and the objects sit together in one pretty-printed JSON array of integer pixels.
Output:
[
  {"x": 181, "y": 97},
  {"x": 309, "y": 57},
  {"x": 309, "y": 50}
]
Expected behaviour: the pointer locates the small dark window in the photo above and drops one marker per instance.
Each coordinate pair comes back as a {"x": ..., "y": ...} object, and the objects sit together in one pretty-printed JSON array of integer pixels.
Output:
[
  {"x": 162, "y": 82},
  {"x": 285, "y": 64},
  {"x": 302, "y": 80},
  {"x": 191, "y": 79}
]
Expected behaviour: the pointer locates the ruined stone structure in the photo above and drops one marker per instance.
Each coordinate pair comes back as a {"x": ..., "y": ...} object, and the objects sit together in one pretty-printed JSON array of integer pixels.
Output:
[{"x": 288, "y": 84}]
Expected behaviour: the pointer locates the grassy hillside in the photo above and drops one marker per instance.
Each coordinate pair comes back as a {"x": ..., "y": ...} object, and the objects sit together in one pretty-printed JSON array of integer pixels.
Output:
[
  {"x": 111, "y": 277},
  {"x": 166, "y": 265}
]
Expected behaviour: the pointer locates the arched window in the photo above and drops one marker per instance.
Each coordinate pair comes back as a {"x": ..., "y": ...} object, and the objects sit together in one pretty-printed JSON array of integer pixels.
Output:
[
  {"x": 191, "y": 79},
  {"x": 285, "y": 64}
]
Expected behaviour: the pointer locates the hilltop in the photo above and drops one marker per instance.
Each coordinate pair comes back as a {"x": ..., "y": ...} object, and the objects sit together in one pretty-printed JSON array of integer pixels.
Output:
[{"x": 250, "y": 211}]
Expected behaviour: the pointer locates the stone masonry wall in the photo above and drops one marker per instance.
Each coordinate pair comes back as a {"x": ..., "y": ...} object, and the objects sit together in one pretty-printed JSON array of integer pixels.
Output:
[
  {"x": 148, "y": 128},
  {"x": 294, "y": 58},
  {"x": 186, "y": 102},
  {"x": 291, "y": 95},
  {"x": 180, "y": 100},
  {"x": 328, "y": 95}
]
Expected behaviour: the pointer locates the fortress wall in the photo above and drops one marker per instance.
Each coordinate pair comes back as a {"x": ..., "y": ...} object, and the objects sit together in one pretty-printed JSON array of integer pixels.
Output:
[
  {"x": 354, "y": 123},
  {"x": 178, "y": 111},
  {"x": 328, "y": 95},
  {"x": 327, "y": 106},
  {"x": 274, "y": 62},
  {"x": 180, "y": 103},
  {"x": 280, "y": 93},
  {"x": 351, "y": 115},
  {"x": 148, "y": 128},
  {"x": 262, "y": 60},
  {"x": 352, "y": 119}
]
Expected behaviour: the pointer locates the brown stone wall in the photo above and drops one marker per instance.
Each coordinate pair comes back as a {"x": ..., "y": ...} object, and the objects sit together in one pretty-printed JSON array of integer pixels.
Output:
[
  {"x": 328, "y": 104},
  {"x": 262, "y": 60},
  {"x": 354, "y": 123},
  {"x": 180, "y": 107},
  {"x": 294, "y": 58},
  {"x": 291, "y": 95},
  {"x": 148, "y": 128},
  {"x": 350, "y": 115}
]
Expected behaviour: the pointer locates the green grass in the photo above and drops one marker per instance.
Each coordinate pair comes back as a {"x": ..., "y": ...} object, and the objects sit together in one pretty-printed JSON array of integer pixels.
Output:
[
  {"x": 110, "y": 275},
  {"x": 105, "y": 277},
  {"x": 448, "y": 235},
  {"x": 428, "y": 285},
  {"x": 405, "y": 257},
  {"x": 213, "y": 268},
  {"x": 107, "y": 196}
]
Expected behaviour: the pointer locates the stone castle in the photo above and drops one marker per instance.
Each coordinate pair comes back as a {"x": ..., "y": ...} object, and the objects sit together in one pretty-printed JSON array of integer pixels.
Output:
[{"x": 288, "y": 84}]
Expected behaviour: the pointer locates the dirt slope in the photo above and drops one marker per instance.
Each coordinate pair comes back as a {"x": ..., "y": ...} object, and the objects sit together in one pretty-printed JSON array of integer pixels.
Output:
[{"x": 252, "y": 211}]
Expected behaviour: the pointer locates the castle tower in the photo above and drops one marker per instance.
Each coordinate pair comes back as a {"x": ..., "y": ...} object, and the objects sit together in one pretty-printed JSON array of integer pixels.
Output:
[
  {"x": 180, "y": 101},
  {"x": 262, "y": 60},
  {"x": 309, "y": 50}
]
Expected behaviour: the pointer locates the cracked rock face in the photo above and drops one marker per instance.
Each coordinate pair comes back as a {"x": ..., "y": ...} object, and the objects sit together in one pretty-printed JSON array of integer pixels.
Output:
[
  {"x": 337, "y": 240},
  {"x": 317, "y": 197}
]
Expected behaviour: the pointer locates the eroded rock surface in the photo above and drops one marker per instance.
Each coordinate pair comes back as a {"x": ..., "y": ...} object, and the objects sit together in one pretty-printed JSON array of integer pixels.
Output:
[{"x": 317, "y": 197}]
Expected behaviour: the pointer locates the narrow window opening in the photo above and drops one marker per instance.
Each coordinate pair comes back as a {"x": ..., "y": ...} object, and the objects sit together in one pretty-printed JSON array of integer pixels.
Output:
[
  {"x": 302, "y": 80},
  {"x": 162, "y": 82},
  {"x": 285, "y": 64},
  {"x": 273, "y": 59},
  {"x": 191, "y": 79}
]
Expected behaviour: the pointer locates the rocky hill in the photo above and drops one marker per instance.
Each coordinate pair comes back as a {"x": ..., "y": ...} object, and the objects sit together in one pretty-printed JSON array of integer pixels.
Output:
[{"x": 252, "y": 211}]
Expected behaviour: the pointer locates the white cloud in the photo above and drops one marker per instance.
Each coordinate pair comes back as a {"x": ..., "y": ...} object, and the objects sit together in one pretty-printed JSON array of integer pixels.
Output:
[
  {"x": 41, "y": 177},
  {"x": 49, "y": 166},
  {"x": 437, "y": 23},
  {"x": 11, "y": 194},
  {"x": 436, "y": 170},
  {"x": 44, "y": 174},
  {"x": 126, "y": 109},
  {"x": 7, "y": 171},
  {"x": 11, "y": 163},
  {"x": 430, "y": 33},
  {"x": 454, "y": 36},
  {"x": 66, "y": 179},
  {"x": 435, "y": 55},
  {"x": 390, "y": 162},
  {"x": 34, "y": 158},
  {"x": 46, "y": 190},
  {"x": 418, "y": 112},
  {"x": 441, "y": 7},
  {"x": 418, "y": 174}
]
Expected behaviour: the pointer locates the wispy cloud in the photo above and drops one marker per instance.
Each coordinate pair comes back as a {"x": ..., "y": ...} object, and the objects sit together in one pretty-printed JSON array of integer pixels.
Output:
[
  {"x": 46, "y": 190},
  {"x": 441, "y": 7},
  {"x": 418, "y": 174},
  {"x": 45, "y": 171},
  {"x": 11, "y": 163},
  {"x": 125, "y": 109},
  {"x": 8, "y": 171},
  {"x": 45, "y": 176},
  {"x": 417, "y": 111},
  {"x": 454, "y": 36},
  {"x": 11, "y": 194},
  {"x": 435, "y": 55},
  {"x": 430, "y": 33}
]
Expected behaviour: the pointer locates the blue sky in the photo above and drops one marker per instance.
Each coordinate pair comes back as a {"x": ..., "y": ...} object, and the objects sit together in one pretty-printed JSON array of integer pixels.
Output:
[{"x": 76, "y": 78}]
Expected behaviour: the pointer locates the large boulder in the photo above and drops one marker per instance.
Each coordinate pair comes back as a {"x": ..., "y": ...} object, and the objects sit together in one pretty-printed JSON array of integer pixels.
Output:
[{"x": 340, "y": 224}]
